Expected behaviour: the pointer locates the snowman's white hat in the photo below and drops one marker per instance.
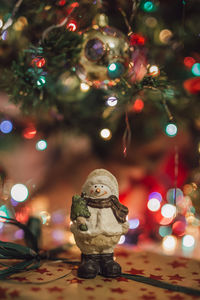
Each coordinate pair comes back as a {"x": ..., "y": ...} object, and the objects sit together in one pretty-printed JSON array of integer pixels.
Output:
[{"x": 101, "y": 176}]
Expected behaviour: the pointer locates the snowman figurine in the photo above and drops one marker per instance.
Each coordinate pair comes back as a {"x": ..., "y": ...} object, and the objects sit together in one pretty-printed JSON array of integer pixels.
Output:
[{"x": 98, "y": 221}]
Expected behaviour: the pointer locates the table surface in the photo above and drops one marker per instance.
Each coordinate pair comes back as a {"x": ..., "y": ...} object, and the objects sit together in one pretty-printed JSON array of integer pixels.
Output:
[{"x": 58, "y": 281}]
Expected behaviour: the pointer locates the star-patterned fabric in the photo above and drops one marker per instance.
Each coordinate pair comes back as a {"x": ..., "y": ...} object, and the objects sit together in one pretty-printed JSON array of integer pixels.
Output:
[{"x": 58, "y": 281}]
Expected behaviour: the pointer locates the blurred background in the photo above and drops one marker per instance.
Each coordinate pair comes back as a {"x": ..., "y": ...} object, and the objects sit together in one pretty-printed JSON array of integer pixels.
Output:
[{"x": 119, "y": 91}]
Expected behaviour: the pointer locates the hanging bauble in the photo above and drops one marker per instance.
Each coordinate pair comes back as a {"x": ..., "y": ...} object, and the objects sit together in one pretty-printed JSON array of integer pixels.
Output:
[{"x": 105, "y": 54}]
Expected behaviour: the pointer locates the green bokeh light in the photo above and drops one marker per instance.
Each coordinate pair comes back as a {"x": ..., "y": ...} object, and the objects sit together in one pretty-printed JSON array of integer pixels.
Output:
[
  {"x": 148, "y": 6},
  {"x": 196, "y": 69}
]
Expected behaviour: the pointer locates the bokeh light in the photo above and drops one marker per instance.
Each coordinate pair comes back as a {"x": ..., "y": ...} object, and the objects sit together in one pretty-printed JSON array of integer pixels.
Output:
[
  {"x": 151, "y": 22},
  {"x": 111, "y": 101},
  {"x": 1, "y": 23},
  {"x": 19, "y": 192},
  {"x": 171, "y": 129},
  {"x": 41, "y": 145},
  {"x": 106, "y": 134},
  {"x": 29, "y": 132},
  {"x": 148, "y": 6},
  {"x": 153, "y": 204},
  {"x": 165, "y": 230},
  {"x": 115, "y": 70},
  {"x": 169, "y": 243},
  {"x": 178, "y": 228},
  {"x": 165, "y": 36},
  {"x": 196, "y": 69},
  {"x": 3, "y": 213},
  {"x": 72, "y": 25},
  {"x": 6, "y": 126},
  {"x": 41, "y": 81},
  {"x": 38, "y": 62},
  {"x": 84, "y": 87},
  {"x": 138, "y": 105},
  {"x": 134, "y": 223},
  {"x": 168, "y": 211},
  {"x": 188, "y": 241},
  {"x": 45, "y": 216},
  {"x": 174, "y": 194},
  {"x": 154, "y": 70},
  {"x": 189, "y": 61}
]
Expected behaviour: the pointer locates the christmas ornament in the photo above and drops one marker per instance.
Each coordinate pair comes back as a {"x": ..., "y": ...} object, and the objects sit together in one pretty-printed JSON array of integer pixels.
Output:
[
  {"x": 99, "y": 220},
  {"x": 104, "y": 56}
]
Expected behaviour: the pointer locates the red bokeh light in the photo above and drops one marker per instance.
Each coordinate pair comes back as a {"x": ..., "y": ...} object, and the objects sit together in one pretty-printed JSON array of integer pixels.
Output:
[
  {"x": 62, "y": 2},
  {"x": 29, "y": 132},
  {"x": 137, "y": 39},
  {"x": 138, "y": 105},
  {"x": 189, "y": 61},
  {"x": 72, "y": 26},
  {"x": 178, "y": 228},
  {"x": 38, "y": 62}
]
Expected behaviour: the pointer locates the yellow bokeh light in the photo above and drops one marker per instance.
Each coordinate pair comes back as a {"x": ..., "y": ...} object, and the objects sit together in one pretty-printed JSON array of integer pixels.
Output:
[
  {"x": 84, "y": 87},
  {"x": 165, "y": 35},
  {"x": 154, "y": 70},
  {"x": 106, "y": 134},
  {"x": 169, "y": 243}
]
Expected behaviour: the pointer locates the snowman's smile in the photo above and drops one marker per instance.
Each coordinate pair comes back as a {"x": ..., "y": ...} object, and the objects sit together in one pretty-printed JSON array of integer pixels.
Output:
[{"x": 97, "y": 195}]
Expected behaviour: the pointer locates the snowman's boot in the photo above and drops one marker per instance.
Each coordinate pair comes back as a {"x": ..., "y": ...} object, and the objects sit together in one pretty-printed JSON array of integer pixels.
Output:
[
  {"x": 90, "y": 266},
  {"x": 109, "y": 268}
]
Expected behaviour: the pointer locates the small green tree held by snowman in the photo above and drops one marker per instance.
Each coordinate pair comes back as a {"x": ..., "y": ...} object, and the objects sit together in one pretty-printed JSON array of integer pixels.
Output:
[{"x": 98, "y": 221}]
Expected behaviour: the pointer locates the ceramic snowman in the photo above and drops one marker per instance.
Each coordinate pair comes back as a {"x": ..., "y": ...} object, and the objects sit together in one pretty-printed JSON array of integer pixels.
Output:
[{"x": 98, "y": 221}]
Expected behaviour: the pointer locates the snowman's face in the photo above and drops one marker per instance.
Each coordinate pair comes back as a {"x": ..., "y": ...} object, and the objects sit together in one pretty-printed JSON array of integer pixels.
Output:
[{"x": 99, "y": 191}]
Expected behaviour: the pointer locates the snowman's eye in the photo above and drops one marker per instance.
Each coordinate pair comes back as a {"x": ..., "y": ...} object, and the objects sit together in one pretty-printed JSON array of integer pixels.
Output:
[
  {"x": 102, "y": 186},
  {"x": 95, "y": 186}
]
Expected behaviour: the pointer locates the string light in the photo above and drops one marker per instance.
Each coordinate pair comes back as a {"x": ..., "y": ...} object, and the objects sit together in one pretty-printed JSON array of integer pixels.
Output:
[
  {"x": 19, "y": 192},
  {"x": 196, "y": 69},
  {"x": 189, "y": 61},
  {"x": 153, "y": 204},
  {"x": 138, "y": 105},
  {"x": 72, "y": 25},
  {"x": 168, "y": 211},
  {"x": 115, "y": 70},
  {"x": 29, "y": 132},
  {"x": 148, "y": 6},
  {"x": 165, "y": 35},
  {"x": 45, "y": 216},
  {"x": 41, "y": 145},
  {"x": 38, "y": 62},
  {"x": 106, "y": 134},
  {"x": 154, "y": 70},
  {"x": 84, "y": 87},
  {"x": 6, "y": 126},
  {"x": 169, "y": 243},
  {"x": 171, "y": 129},
  {"x": 41, "y": 81},
  {"x": 111, "y": 101}
]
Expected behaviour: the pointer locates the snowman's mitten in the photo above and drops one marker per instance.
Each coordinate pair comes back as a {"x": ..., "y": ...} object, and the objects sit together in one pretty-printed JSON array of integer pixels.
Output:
[{"x": 83, "y": 227}]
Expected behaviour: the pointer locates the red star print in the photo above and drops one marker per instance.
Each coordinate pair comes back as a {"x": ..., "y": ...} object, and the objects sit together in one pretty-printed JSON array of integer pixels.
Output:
[
  {"x": 129, "y": 263},
  {"x": 55, "y": 289},
  {"x": 143, "y": 289},
  {"x": 88, "y": 288},
  {"x": 39, "y": 278},
  {"x": 176, "y": 297},
  {"x": 118, "y": 290},
  {"x": 21, "y": 279},
  {"x": 135, "y": 271},
  {"x": 106, "y": 280},
  {"x": 177, "y": 264},
  {"x": 35, "y": 289},
  {"x": 42, "y": 271},
  {"x": 2, "y": 293},
  {"x": 98, "y": 285},
  {"x": 91, "y": 297},
  {"x": 49, "y": 274},
  {"x": 121, "y": 279},
  {"x": 157, "y": 277},
  {"x": 148, "y": 297},
  {"x": 194, "y": 273},
  {"x": 122, "y": 253},
  {"x": 14, "y": 294},
  {"x": 176, "y": 277},
  {"x": 157, "y": 269},
  {"x": 75, "y": 280},
  {"x": 59, "y": 270},
  {"x": 146, "y": 261}
]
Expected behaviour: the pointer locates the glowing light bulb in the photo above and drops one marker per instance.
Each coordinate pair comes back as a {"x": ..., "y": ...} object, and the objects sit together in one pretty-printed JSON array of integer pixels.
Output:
[
  {"x": 19, "y": 192},
  {"x": 6, "y": 126},
  {"x": 41, "y": 145},
  {"x": 153, "y": 204},
  {"x": 112, "y": 101},
  {"x": 168, "y": 211},
  {"x": 3, "y": 214},
  {"x": 154, "y": 70},
  {"x": 72, "y": 26},
  {"x": 188, "y": 241},
  {"x": 29, "y": 132},
  {"x": 38, "y": 62},
  {"x": 112, "y": 67},
  {"x": 84, "y": 87},
  {"x": 1, "y": 23},
  {"x": 171, "y": 130},
  {"x": 115, "y": 70},
  {"x": 169, "y": 243},
  {"x": 134, "y": 223},
  {"x": 122, "y": 240},
  {"x": 111, "y": 45},
  {"x": 196, "y": 69},
  {"x": 45, "y": 216},
  {"x": 106, "y": 134},
  {"x": 148, "y": 6},
  {"x": 41, "y": 81},
  {"x": 138, "y": 105},
  {"x": 165, "y": 35}
]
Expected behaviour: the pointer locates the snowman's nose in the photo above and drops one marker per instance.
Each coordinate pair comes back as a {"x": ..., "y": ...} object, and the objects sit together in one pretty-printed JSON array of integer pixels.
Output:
[{"x": 98, "y": 190}]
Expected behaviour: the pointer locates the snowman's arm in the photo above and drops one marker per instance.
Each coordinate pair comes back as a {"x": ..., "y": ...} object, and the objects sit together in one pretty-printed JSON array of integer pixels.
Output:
[{"x": 125, "y": 227}]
